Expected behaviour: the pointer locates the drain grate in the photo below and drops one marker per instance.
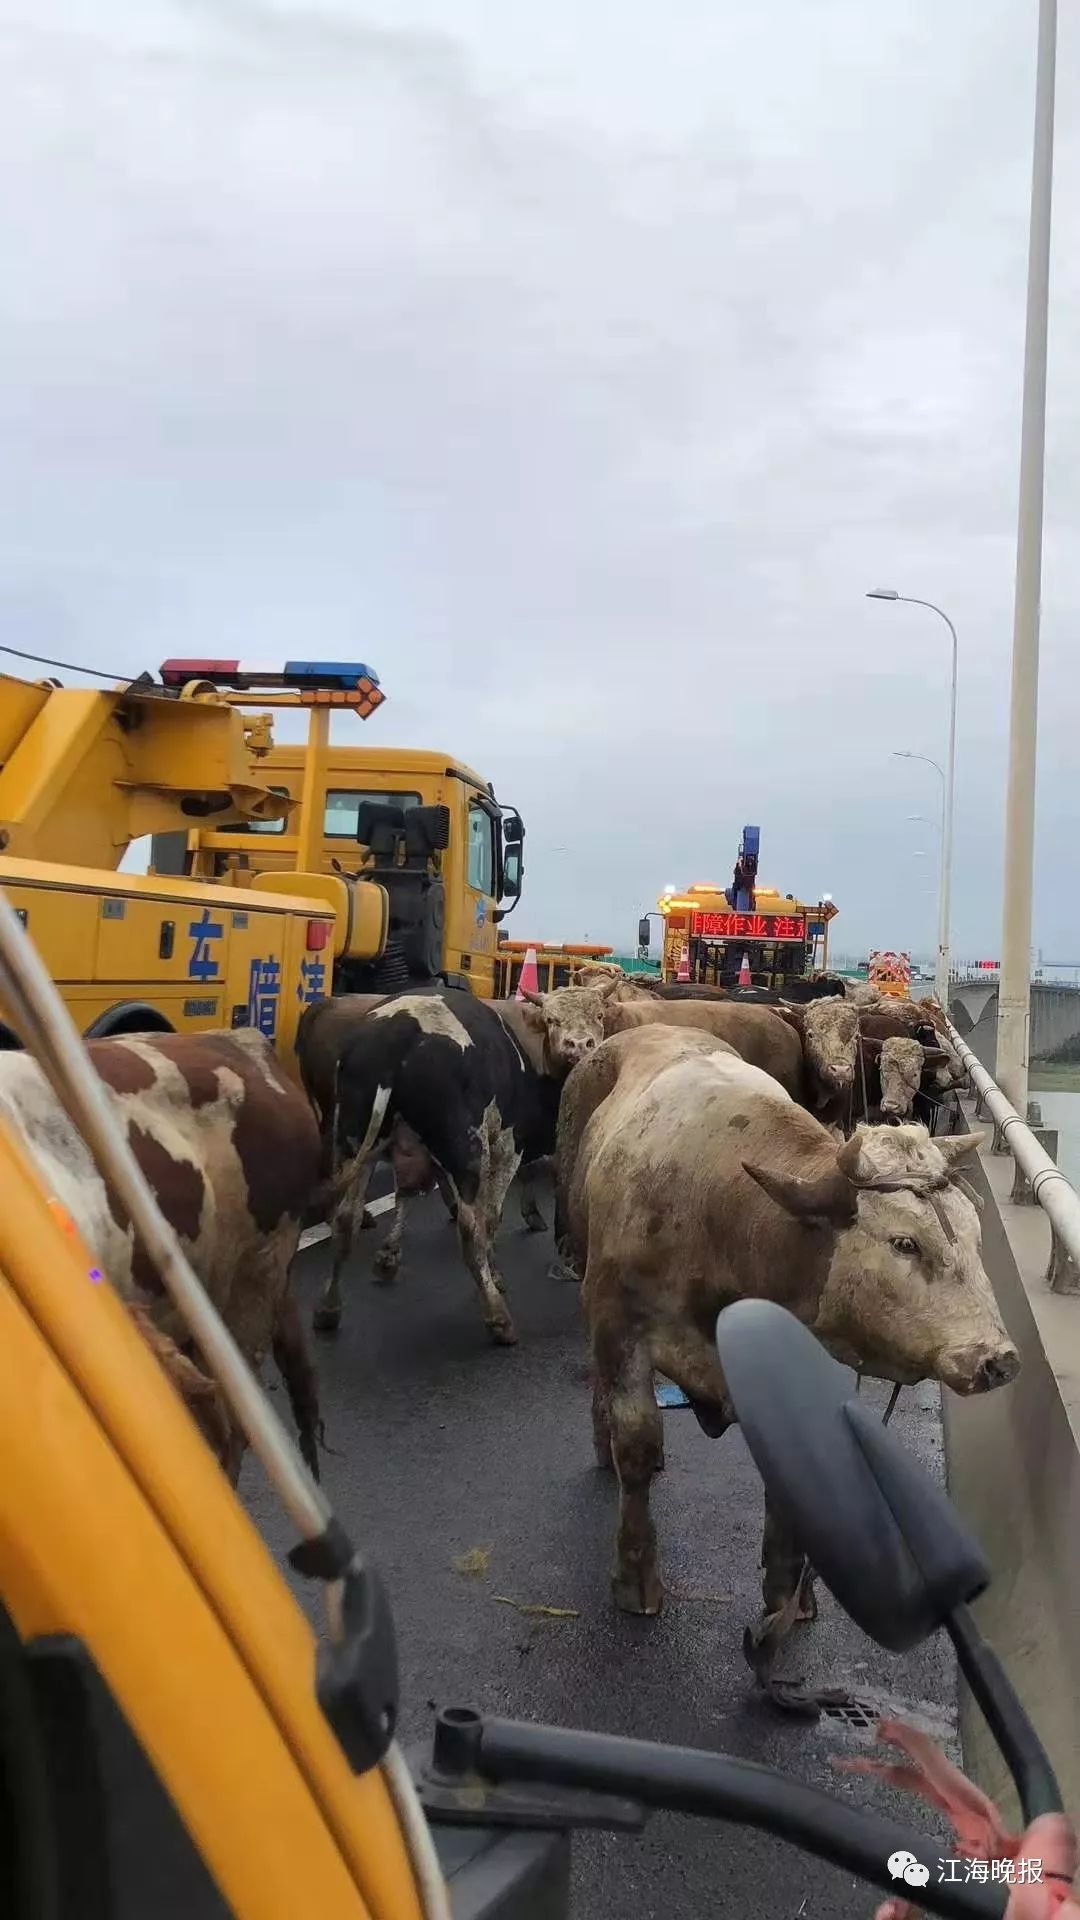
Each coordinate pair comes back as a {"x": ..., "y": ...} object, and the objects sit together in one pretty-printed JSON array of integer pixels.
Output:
[{"x": 851, "y": 1712}]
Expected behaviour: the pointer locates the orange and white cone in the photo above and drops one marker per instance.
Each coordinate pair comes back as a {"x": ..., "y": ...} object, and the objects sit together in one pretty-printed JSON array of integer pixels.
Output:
[
  {"x": 744, "y": 972},
  {"x": 529, "y": 981},
  {"x": 684, "y": 965}
]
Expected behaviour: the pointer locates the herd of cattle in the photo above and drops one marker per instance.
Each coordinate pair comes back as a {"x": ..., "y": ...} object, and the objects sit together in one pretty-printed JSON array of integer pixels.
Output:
[{"x": 707, "y": 1145}]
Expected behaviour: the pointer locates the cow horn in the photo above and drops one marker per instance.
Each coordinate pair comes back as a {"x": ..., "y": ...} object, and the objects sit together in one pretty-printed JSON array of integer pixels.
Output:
[
  {"x": 847, "y": 1160},
  {"x": 934, "y": 1056},
  {"x": 830, "y": 1198},
  {"x": 536, "y": 999},
  {"x": 958, "y": 1145}
]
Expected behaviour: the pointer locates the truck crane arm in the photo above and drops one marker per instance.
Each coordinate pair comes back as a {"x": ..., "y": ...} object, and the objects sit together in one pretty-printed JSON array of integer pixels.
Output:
[{"x": 84, "y": 772}]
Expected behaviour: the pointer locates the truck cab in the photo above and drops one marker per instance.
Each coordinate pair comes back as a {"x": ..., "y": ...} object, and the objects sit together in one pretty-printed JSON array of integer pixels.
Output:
[{"x": 427, "y": 827}]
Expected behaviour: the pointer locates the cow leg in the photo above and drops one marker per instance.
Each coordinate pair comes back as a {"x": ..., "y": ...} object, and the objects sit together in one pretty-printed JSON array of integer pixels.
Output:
[
  {"x": 476, "y": 1251},
  {"x": 496, "y": 1181},
  {"x": 782, "y": 1560},
  {"x": 388, "y": 1259},
  {"x": 348, "y": 1213},
  {"x": 293, "y": 1362},
  {"x": 530, "y": 1211},
  {"x": 601, "y": 1426},
  {"x": 450, "y": 1201},
  {"x": 478, "y": 1220},
  {"x": 624, "y": 1391}
]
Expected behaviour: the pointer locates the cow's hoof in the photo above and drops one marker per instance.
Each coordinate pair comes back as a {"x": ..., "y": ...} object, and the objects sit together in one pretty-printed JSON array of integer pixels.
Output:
[
  {"x": 326, "y": 1319},
  {"x": 367, "y": 1221},
  {"x": 386, "y": 1267},
  {"x": 558, "y": 1270},
  {"x": 640, "y": 1593},
  {"x": 503, "y": 1333}
]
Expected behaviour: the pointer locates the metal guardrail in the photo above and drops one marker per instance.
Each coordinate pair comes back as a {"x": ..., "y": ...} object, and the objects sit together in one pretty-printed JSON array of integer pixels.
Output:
[{"x": 1049, "y": 1187}]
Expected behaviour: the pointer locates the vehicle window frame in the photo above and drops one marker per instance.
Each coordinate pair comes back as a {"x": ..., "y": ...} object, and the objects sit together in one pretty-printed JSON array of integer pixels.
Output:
[
  {"x": 480, "y": 886},
  {"x": 404, "y": 798}
]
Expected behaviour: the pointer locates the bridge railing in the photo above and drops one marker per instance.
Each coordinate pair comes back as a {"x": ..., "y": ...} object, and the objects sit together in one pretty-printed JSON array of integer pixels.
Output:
[{"x": 1053, "y": 1192}]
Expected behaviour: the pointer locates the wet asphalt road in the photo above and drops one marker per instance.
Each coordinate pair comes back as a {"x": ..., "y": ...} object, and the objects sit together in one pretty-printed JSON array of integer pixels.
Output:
[{"x": 446, "y": 1447}]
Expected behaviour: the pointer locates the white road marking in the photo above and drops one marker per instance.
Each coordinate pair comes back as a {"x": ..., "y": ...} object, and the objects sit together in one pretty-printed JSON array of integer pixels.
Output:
[{"x": 311, "y": 1236}]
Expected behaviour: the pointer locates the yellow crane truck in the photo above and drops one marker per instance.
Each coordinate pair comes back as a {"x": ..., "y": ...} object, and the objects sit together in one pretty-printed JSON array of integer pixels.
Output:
[{"x": 277, "y": 874}]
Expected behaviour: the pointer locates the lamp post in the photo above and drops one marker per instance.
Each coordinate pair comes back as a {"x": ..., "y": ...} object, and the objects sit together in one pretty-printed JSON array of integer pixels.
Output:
[
  {"x": 1014, "y": 991},
  {"x": 941, "y": 970}
]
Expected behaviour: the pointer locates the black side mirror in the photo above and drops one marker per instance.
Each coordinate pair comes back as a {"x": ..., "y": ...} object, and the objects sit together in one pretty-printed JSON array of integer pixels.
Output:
[
  {"x": 886, "y": 1541},
  {"x": 513, "y": 830},
  {"x": 644, "y": 931},
  {"x": 512, "y": 872}
]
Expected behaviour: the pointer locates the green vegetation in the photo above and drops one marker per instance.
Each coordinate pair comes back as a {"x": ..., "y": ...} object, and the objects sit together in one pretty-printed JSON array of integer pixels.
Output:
[{"x": 1054, "y": 1077}]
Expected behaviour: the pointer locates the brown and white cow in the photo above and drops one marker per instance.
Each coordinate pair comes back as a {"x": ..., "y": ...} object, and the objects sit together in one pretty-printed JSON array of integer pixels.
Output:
[
  {"x": 689, "y": 1179},
  {"x": 230, "y": 1149}
]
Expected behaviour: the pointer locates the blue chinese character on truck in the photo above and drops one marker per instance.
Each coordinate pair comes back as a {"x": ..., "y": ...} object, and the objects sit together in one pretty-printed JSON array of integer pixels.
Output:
[
  {"x": 203, "y": 965},
  {"x": 264, "y": 991},
  {"x": 312, "y": 982}
]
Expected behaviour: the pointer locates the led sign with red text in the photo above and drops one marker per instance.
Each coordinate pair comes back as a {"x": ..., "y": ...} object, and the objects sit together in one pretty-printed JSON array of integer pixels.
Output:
[{"x": 748, "y": 926}]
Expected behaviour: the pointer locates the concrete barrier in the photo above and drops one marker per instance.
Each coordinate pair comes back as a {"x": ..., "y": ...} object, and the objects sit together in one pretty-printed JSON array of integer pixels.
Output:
[{"x": 1013, "y": 1467}]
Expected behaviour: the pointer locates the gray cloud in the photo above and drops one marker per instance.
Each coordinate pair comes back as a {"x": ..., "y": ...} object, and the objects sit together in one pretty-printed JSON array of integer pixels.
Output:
[{"x": 581, "y": 369}]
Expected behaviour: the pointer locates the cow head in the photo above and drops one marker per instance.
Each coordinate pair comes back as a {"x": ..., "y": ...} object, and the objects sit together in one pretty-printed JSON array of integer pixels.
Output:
[
  {"x": 901, "y": 1065},
  {"x": 830, "y": 1037},
  {"x": 906, "y": 1297},
  {"x": 908, "y": 1290},
  {"x": 571, "y": 1021}
]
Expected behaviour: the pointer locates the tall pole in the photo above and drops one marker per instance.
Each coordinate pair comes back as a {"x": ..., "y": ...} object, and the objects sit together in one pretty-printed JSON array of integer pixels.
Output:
[
  {"x": 941, "y": 982},
  {"x": 1015, "y": 989}
]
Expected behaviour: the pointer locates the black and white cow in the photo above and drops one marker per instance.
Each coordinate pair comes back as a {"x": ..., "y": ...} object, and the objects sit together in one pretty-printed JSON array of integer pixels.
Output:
[{"x": 479, "y": 1100}]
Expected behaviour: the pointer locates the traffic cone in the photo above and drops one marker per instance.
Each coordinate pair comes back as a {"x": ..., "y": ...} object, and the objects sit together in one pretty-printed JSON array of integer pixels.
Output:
[
  {"x": 529, "y": 981},
  {"x": 684, "y": 965},
  {"x": 744, "y": 972}
]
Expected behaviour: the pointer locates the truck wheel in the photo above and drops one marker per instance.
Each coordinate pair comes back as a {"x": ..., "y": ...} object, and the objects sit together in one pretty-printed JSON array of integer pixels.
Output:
[{"x": 128, "y": 1016}]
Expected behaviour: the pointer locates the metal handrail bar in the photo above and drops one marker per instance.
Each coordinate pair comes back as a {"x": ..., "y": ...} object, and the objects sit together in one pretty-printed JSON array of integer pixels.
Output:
[{"x": 1055, "y": 1194}]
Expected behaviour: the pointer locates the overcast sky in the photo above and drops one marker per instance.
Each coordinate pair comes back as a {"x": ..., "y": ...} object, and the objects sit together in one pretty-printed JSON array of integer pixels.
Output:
[{"x": 579, "y": 366}]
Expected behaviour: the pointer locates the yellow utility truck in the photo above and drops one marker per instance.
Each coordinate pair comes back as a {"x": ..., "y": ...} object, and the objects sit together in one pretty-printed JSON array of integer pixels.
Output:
[{"x": 234, "y": 926}]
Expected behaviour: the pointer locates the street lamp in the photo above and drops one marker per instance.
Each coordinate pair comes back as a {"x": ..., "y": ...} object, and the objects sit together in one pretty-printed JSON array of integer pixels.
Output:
[{"x": 941, "y": 972}]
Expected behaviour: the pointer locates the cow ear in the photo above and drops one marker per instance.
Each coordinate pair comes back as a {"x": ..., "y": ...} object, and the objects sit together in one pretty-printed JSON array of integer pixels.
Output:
[
  {"x": 828, "y": 1201},
  {"x": 958, "y": 1145},
  {"x": 533, "y": 1014},
  {"x": 793, "y": 1015}
]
